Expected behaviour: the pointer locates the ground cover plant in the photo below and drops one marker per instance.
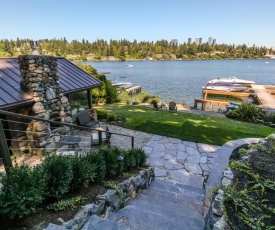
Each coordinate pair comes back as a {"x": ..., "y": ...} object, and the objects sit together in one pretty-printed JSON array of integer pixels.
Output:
[
  {"x": 186, "y": 126},
  {"x": 250, "y": 201},
  {"x": 61, "y": 184}
]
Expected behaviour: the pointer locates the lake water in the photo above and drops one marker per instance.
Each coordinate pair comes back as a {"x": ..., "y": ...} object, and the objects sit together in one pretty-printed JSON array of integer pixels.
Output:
[{"x": 182, "y": 81}]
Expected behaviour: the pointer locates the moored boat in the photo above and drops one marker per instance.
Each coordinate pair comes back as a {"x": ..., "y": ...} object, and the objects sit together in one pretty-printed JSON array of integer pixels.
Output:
[
  {"x": 233, "y": 80},
  {"x": 225, "y": 86},
  {"x": 122, "y": 82}
]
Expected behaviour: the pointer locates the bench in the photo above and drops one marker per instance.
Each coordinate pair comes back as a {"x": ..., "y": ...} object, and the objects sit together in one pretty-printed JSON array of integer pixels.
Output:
[{"x": 85, "y": 120}]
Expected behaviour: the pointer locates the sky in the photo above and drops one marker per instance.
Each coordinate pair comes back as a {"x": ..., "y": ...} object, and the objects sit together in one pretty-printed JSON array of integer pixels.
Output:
[{"x": 250, "y": 22}]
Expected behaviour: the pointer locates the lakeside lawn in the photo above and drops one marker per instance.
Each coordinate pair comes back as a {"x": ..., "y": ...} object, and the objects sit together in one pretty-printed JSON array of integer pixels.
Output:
[{"x": 185, "y": 126}]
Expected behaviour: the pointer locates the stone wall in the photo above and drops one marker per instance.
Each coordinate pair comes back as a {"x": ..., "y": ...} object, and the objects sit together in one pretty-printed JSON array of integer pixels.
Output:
[
  {"x": 39, "y": 77},
  {"x": 111, "y": 201}
]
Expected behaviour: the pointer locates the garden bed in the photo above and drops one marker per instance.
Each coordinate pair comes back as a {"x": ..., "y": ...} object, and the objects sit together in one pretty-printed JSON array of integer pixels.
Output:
[{"x": 250, "y": 201}]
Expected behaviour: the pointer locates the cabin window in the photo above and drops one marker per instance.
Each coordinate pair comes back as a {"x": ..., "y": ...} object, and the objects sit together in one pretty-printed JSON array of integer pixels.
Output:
[{"x": 78, "y": 101}]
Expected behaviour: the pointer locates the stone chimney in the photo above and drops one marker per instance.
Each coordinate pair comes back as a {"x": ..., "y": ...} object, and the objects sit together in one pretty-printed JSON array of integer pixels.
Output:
[{"x": 39, "y": 77}]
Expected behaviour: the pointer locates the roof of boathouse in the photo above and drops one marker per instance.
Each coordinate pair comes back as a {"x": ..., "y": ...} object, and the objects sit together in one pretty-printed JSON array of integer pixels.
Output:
[{"x": 71, "y": 79}]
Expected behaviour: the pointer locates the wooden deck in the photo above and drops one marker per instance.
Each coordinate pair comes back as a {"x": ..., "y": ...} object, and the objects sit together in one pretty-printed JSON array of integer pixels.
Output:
[
  {"x": 234, "y": 94},
  {"x": 213, "y": 105},
  {"x": 134, "y": 90},
  {"x": 264, "y": 96}
]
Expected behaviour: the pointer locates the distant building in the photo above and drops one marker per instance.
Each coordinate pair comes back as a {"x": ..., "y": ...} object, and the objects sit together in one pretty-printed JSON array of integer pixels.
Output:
[
  {"x": 189, "y": 40},
  {"x": 174, "y": 42},
  {"x": 210, "y": 41},
  {"x": 198, "y": 41},
  {"x": 214, "y": 42}
]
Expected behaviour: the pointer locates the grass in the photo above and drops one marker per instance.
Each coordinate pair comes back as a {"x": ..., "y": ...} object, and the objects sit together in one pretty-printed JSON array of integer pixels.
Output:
[{"x": 186, "y": 126}]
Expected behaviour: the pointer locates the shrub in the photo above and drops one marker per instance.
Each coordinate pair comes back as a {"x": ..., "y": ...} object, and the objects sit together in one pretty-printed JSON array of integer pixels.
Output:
[
  {"x": 142, "y": 97},
  {"x": 246, "y": 112},
  {"x": 83, "y": 172},
  {"x": 140, "y": 156},
  {"x": 60, "y": 175},
  {"x": 101, "y": 114},
  {"x": 124, "y": 97},
  {"x": 113, "y": 165},
  {"x": 270, "y": 117},
  {"x": 111, "y": 117},
  {"x": 66, "y": 204},
  {"x": 23, "y": 190},
  {"x": 98, "y": 161}
]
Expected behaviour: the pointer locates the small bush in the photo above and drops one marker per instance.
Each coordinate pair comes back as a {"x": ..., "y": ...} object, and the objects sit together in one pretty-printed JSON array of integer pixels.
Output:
[
  {"x": 246, "y": 112},
  {"x": 124, "y": 97},
  {"x": 98, "y": 161},
  {"x": 139, "y": 155},
  {"x": 60, "y": 174},
  {"x": 101, "y": 114},
  {"x": 270, "y": 117},
  {"x": 66, "y": 204},
  {"x": 23, "y": 190},
  {"x": 111, "y": 117},
  {"x": 113, "y": 165},
  {"x": 83, "y": 172}
]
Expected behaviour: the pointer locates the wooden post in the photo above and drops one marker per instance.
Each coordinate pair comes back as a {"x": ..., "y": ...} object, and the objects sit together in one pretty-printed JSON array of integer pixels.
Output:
[
  {"x": 205, "y": 94},
  {"x": 133, "y": 145},
  {"x": 6, "y": 154},
  {"x": 203, "y": 104},
  {"x": 99, "y": 137},
  {"x": 195, "y": 103},
  {"x": 89, "y": 95}
]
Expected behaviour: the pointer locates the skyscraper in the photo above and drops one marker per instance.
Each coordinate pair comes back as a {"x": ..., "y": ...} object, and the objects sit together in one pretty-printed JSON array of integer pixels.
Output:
[
  {"x": 198, "y": 41},
  {"x": 174, "y": 42},
  {"x": 189, "y": 40},
  {"x": 214, "y": 42},
  {"x": 210, "y": 41}
]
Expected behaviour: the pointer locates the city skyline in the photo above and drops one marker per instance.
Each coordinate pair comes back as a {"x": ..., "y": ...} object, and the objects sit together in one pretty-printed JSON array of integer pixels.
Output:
[{"x": 234, "y": 22}]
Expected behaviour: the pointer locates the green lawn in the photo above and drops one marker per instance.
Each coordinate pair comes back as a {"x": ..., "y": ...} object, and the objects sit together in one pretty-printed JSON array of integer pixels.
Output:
[{"x": 185, "y": 126}]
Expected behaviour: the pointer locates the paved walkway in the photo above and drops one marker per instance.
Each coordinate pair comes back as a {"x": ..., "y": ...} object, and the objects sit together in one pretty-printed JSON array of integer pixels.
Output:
[{"x": 173, "y": 159}]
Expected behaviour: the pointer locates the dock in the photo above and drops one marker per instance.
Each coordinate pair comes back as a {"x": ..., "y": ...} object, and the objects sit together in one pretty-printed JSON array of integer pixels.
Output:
[
  {"x": 264, "y": 95},
  {"x": 134, "y": 90},
  {"x": 213, "y": 105},
  {"x": 225, "y": 93}
]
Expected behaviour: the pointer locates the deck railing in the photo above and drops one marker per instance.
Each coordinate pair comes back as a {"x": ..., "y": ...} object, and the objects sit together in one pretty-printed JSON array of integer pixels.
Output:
[{"x": 12, "y": 123}]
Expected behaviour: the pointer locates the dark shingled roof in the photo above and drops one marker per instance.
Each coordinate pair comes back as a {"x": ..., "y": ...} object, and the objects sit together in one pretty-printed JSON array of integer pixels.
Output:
[{"x": 71, "y": 78}]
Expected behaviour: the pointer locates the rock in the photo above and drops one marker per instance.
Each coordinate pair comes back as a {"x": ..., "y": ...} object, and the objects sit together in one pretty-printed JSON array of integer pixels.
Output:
[
  {"x": 40, "y": 126},
  {"x": 226, "y": 181},
  {"x": 217, "y": 205},
  {"x": 37, "y": 107},
  {"x": 228, "y": 174},
  {"x": 221, "y": 225}
]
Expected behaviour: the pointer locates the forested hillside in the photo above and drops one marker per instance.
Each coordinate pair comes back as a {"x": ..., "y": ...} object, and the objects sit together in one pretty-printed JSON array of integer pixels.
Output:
[{"x": 124, "y": 49}]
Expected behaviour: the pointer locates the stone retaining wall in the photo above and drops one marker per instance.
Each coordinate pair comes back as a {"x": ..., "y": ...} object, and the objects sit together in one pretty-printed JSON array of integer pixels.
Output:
[
  {"x": 111, "y": 201},
  {"x": 221, "y": 174}
]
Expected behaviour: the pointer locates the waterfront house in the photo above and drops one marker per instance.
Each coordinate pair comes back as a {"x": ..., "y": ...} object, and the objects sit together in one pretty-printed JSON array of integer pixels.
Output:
[{"x": 42, "y": 86}]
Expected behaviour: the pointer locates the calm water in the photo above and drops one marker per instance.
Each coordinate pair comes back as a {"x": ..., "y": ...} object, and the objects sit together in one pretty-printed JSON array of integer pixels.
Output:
[{"x": 181, "y": 81}]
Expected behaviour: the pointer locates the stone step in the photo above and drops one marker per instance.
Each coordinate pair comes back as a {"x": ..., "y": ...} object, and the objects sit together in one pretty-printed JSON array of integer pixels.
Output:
[
  {"x": 176, "y": 187},
  {"x": 195, "y": 208},
  {"x": 153, "y": 219},
  {"x": 97, "y": 223},
  {"x": 174, "y": 198}
]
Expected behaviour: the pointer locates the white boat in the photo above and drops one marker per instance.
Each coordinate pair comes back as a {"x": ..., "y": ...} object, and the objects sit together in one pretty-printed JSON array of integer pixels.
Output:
[
  {"x": 129, "y": 65},
  {"x": 122, "y": 82},
  {"x": 234, "y": 80},
  {"x": 224, "y": 86}
]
